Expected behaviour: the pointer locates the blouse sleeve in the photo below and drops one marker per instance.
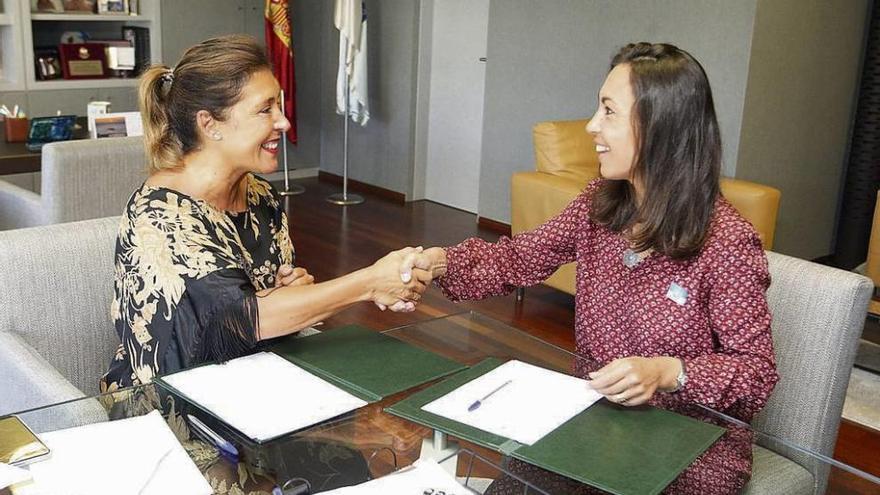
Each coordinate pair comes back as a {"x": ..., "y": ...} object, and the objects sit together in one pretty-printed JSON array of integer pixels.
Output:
[
  {"x": 477, "y": 269},
  {"x": 740, "y": 375},
  {"x": 223, "y": 319}
]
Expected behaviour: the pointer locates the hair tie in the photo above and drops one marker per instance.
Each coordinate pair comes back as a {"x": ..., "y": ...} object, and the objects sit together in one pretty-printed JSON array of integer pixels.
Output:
[{"x": 168, "y": 76}]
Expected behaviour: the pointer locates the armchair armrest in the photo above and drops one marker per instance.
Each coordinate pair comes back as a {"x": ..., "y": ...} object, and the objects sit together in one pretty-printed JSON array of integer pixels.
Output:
[
  {"x": 27, "y": 381},
  {"x": 19, "y": 208}
]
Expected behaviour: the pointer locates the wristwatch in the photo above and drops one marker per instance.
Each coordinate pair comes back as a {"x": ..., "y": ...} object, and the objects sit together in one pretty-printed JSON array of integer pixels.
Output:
[{"x": 681, "y": 379}]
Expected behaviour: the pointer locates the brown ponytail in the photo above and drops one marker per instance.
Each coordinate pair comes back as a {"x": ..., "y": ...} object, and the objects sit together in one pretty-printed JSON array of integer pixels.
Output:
[
  {"x": 163, "y": 150},
  {"x": 210, "y": 77}
]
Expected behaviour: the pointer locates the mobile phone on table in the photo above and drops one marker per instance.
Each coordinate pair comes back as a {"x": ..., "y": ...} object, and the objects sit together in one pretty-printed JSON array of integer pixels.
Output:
[{"x": 18, "y": 444}]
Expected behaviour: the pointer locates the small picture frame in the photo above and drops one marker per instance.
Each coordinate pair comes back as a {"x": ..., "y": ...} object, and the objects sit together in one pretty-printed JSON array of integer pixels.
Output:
[
  {"x": 110, "y": 126},
  {"x": 112, "y": 7},
  {"x": 116, "y": 125}
]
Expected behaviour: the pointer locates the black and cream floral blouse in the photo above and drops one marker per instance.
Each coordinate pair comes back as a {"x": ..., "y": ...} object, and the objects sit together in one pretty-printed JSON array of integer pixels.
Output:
[{"x": 187, "y": 275}]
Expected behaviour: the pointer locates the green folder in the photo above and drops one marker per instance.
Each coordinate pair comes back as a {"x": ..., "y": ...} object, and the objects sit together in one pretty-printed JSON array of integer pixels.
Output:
[
  {"x": 625, "y": 451},
  {"x": 365, "y": 363}
]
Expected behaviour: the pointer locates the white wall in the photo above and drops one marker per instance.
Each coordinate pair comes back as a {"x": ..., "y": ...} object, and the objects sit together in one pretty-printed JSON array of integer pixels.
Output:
[
  {"x": 548, "y": 59},
  {"x": 455, "y": 110},
  {"x": 801, "y": 95}
]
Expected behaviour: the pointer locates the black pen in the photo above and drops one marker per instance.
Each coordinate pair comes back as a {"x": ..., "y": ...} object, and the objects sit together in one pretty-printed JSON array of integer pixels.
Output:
[{"x": 476, "y": 405}]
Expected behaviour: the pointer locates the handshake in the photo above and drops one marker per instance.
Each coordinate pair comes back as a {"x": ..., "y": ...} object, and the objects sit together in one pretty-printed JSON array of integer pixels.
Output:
[
  {"x": 395, "y": 282},
  {"x": 403, "y": 275}
]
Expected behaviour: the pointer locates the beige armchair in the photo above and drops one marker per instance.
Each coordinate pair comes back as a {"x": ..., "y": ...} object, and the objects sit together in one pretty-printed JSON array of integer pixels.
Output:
[{"x": 83, "y": 179}]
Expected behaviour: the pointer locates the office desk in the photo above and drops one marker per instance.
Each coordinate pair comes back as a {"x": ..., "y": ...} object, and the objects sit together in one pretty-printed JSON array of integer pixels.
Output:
[
  {"x": 16, "y": 159},
  {"x": 370, "y": 442}
]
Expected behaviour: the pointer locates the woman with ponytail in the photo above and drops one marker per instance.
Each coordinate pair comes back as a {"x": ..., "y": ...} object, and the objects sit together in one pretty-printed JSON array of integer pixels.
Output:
[{"x": 204, "y": 261}]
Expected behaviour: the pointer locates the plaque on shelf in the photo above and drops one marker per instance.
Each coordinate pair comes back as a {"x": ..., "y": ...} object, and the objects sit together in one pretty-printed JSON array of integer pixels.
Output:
[{"x": 83, "y": 60}]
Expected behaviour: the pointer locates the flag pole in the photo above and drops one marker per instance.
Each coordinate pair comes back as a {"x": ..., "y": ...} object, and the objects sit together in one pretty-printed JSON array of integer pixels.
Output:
[
  {"x": 289, "y": 190},
  {"x": 345, "y": 199}
]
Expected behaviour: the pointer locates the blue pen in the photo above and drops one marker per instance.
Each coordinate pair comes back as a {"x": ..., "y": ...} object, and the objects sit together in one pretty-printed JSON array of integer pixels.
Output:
[
  {"x": 476, "y": 405},
  {"x": 224, "y": 446}
]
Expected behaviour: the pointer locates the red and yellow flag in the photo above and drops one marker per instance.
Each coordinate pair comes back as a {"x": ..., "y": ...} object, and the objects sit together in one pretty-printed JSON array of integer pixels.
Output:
[{"x": 280, "y": 51}]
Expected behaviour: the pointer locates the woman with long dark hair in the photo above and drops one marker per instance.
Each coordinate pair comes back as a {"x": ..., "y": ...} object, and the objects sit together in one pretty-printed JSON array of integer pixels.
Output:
[{"x": 671, "y": 280}]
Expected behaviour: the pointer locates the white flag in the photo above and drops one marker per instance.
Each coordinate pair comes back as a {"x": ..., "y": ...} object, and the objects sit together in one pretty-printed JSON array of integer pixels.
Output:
[{"x": 350, "y": 19}]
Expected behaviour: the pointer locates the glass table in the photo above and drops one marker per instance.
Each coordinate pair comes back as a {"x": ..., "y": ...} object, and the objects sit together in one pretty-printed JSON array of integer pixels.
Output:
[{"x": 370, "y": 443}]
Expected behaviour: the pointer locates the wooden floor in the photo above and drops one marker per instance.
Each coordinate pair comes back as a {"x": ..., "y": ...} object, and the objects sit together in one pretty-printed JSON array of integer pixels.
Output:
[{"x": 331, "y": 240}]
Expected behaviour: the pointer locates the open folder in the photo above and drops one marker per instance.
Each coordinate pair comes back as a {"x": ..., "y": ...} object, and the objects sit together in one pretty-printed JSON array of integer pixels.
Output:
[
  {"x": 304, "y": 381},
  {"x": 625, "y": 451},
  {"x": 364, "y": 362}
]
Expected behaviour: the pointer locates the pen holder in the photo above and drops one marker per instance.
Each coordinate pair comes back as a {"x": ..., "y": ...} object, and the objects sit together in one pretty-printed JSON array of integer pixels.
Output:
[{"x": 16, "y": 130}]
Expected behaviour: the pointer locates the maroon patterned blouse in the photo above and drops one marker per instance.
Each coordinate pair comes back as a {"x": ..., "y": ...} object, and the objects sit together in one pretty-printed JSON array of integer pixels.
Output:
[{"x": 721, "y": 331}]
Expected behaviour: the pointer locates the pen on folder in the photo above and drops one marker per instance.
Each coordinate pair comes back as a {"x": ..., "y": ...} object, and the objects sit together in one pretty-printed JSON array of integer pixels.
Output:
[
  {"x": 476, "y": 405},
  {"x": 222, "y": 444}
]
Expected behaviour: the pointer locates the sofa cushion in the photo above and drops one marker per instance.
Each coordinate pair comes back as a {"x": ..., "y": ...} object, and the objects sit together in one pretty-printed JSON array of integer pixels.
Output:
[{"x": 564, "y": 148}]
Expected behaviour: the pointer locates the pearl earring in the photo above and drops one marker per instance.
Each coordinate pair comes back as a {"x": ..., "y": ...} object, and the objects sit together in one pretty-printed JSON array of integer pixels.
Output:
[{"x": 216, "y": 136}]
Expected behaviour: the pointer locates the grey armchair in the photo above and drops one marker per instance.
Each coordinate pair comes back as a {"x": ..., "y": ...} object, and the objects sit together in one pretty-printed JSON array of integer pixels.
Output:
[
  {"x": 89, "y": 178},
  {"x": 56, "y": 337},
  {"x": 818, "y": 315}
]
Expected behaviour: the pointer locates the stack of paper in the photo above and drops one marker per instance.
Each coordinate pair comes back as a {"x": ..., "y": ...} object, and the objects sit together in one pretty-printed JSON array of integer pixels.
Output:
[
  {"x": 137, "y": 455},
  {"x": 10, "y": 475},
  {"x": 263, "y": 395},
  {"x": 425, "y": 476},
  {"x": 528, "y": 402}
]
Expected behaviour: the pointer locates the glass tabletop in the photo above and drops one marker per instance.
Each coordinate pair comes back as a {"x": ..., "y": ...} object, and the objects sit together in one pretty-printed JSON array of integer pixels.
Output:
[{"x": 370, "y": 443}]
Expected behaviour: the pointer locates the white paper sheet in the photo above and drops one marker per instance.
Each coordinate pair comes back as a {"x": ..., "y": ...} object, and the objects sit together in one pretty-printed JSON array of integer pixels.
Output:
[
  {"x": 137, "y": 455},
  {"x": 263, "y": 395},
  {"x": 424, "y": 474},
  {"x": 534, "y": 403},
  {"x": 10, "y": 475}
]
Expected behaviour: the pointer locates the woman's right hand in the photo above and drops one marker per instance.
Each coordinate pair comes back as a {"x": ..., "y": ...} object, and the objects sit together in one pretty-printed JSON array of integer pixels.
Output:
[{"x": 396, "y": 283}]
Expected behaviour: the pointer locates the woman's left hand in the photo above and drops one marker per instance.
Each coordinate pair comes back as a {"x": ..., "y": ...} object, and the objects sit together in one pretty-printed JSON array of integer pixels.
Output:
[
  {"x": 632, "y": 381},
  {"x": 288, "y": 275}
]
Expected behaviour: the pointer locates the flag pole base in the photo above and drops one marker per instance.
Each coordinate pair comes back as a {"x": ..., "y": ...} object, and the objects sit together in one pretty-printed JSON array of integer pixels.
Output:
[
  {"x": 293, "y": 190},
  {"x": 345, "y": 199}
]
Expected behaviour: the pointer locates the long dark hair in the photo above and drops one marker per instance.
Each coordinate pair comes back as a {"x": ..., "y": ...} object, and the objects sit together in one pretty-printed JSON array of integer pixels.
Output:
[
  {"x": 209, "y": 76},
  {"x": 678, "y": 157}
]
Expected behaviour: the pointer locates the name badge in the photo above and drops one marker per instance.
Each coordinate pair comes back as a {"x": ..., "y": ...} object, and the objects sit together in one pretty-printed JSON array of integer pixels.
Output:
[{"x": 677, "y": 293}]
